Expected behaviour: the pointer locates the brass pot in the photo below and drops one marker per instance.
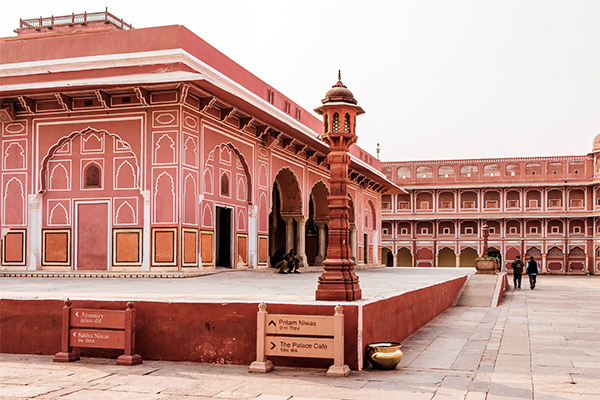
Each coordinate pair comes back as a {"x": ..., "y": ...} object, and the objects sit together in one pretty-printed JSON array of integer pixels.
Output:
[{"x": 384, "y": 355}]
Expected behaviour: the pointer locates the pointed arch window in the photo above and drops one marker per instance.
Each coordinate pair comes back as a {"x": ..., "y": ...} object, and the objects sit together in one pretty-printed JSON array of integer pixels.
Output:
[
  {"x": 347, "y": 123},
  {"x": 92, "y": 177},
  {"x": 336, "y": 123},
  {"x": 225, "y": 185},
  {"x": 326, "y": 123}
]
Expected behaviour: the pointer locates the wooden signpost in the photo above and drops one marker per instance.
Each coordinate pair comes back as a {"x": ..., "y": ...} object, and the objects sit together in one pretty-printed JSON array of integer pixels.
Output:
[
  {"x": 312, "y": 336},
  {"x": 105, "y": 329}
]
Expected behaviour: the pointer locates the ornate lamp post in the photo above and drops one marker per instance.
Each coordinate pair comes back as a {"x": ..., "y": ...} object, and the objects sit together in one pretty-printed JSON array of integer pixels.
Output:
[
  {"x": 485, "y": 231},
  {"x": 339, "y": 110}
]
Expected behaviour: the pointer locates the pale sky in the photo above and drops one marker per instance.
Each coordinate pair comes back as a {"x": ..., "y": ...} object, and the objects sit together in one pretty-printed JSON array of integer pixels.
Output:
[{"x": 438, "y": 79}]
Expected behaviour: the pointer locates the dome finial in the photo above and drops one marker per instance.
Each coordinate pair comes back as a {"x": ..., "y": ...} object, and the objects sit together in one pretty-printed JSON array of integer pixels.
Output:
[{"x": 339, "y": 75}]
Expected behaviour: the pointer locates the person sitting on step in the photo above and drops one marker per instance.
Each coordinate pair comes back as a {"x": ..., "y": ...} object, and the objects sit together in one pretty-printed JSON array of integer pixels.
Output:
[
  {"x": 293, "y": 262},
  {"x": 279, "y": 260}
]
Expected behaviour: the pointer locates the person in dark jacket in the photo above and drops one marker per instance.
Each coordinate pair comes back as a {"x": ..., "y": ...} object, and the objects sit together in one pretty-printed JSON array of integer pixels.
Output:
[
  {"x": 517, "y": 267},
  {"x": 279, "y": 260},
  {"x": 293, "y": 262},
  {"x": 532, "y": 270}
]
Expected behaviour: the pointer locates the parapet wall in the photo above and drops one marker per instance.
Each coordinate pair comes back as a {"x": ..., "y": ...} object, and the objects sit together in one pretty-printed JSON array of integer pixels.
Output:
[{"x": 222, "y": 333}]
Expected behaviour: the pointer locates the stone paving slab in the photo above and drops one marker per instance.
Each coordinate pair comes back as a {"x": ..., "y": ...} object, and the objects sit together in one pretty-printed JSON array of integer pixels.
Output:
[{"x": 519, "y": 350}]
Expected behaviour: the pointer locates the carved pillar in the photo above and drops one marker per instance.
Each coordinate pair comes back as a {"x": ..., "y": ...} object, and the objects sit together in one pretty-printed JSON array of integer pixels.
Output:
[
  {"x": 146, "y": 244},
  {"x": 458, "y": 260},
  {"x": 252, "y": 236},
  {"x": 322, "y": 243},
  {"x": 338, "y": 282},
  {"x": 394, "y": 259},
  {"x": 34, "y": 231},
  {"x": 301, "y": 240}
]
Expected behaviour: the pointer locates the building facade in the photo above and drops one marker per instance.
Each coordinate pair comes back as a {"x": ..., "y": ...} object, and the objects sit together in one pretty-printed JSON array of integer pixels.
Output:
[
  {"x": 547, "y": 207},
  {"x": 148, "y": 149}
]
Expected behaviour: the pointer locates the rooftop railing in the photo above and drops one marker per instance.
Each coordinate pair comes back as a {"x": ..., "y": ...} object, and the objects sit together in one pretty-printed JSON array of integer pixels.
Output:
[{"x": 83, "y": 18}]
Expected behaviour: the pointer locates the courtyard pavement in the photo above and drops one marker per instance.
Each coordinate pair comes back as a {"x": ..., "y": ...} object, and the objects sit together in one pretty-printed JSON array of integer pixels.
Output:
[
  {"x": 541, "y": 344},
  {"x": 228, "y": 285}
]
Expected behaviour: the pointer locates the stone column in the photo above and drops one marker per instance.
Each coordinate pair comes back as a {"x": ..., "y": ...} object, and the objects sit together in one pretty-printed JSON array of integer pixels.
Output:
[
  {"x": 394, "y": 259},
  {"x": 301, "y": 240},
  {"x": 34, "y": 232},
  {"x": 322, "y": 245},
  {"x": 376, "y": 259},
  {"x": 354, "y": 244},
  {"x": 146, "y": 250},
  {"x": 457, "y": 260},
  {"x": 289, "y": 233},
  {"x": 544, "y": 265},
  {"x": 252, "y": 236}
]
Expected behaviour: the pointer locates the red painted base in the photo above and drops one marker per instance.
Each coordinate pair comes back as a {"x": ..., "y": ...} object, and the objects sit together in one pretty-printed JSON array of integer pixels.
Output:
[
  {"x": 338, "y": 292},
  {"x": 338, "y": 282},
  {"x": 66, "y": 357},
  {"x": 129, "y": 360}
]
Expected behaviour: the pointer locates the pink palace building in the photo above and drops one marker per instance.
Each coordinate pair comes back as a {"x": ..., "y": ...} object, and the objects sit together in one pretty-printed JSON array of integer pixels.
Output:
[
  {"x": 148, "y": 149},
  {"x": 546, "y": 207}
]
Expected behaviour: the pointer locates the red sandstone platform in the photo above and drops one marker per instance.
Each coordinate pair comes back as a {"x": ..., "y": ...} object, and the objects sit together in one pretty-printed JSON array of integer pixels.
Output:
[{"x": 213, "y": 318}]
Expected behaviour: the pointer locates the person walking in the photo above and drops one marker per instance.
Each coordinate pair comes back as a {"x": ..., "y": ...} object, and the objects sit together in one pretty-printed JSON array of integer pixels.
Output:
[
  {"x": 517, "y": 267},
  {"x": 532, "y": 271}
]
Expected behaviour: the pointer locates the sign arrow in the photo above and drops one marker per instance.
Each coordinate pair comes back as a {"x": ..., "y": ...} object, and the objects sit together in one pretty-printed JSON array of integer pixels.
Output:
[
  {"x": 271, "y": 322},
  {"x": 77, "y": 313},
  {"x": 272, "y": 346},
  {"x": 74, "y": 334}
]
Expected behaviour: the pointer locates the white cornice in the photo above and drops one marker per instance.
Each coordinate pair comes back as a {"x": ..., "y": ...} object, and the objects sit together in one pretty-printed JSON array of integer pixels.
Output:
[
  {"x": 205, "y": 72},
  {"x": 135, "y": 79}
]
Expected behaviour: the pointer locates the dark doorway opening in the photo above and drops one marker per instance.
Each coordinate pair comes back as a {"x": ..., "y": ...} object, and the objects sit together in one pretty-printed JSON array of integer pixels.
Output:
[
  {"x": 223, "y": 237},
  {"x": 494, "y": 252}
]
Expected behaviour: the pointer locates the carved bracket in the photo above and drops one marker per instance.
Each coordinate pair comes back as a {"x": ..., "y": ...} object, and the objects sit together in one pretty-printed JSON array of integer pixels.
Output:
[
  {"x": 27, "y": 104},
  {"x": 103, "y": 98},
  {"x": 65, "y": 101},
  {"x": 142, "y": 95}
]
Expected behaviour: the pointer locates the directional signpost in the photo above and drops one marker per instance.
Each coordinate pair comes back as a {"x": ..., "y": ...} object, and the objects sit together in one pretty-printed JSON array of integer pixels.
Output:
[
  {"x": 311, "y": 336},
  {"x": 105, "y": 329}
]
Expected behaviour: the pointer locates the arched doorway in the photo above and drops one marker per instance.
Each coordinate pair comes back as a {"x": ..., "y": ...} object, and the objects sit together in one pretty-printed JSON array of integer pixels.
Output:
[
  {"x": 387, "y": 257},
  {"x": 467, "y": 257},
  {"x": 511, "y": 255},
  {"x": 316, "y": 225},
  {"x": 494, "y": 252},
  {"x": 555, "y": 260},
  {"x": 535, "y": 253},
  {"x": 424, "y": 257},
  {"x": 404, "y": 258},
  {"x": 370, "y": 238},
  {"x": 286, "y": 214},
  {"x": 227, "y": 194},
  {"x": 576, "y": 261},
  {"x": 446, "y": 257},
  {"x": 90, "y": 189}
]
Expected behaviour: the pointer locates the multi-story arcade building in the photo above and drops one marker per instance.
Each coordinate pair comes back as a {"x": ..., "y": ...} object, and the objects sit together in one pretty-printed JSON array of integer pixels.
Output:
[
  {"x": 547, "y": 207},
  {"x": 148, "y": 149}
]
